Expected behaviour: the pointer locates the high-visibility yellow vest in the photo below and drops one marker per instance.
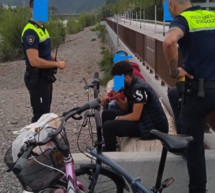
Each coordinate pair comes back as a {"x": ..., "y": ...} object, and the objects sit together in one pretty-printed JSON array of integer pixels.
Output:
[
  {"x": 199, "y": 20},
  {"x": 43, "y": 35},
  {"x": 198, "y": 44}
]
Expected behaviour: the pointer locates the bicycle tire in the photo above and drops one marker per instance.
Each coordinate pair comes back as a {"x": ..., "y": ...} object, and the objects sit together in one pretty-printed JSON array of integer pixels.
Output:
[{"x": 108, "y": 181}]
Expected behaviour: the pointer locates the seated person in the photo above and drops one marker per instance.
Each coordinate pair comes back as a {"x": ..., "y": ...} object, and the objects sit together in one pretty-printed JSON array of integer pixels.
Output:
[
  {"x": 121, "y": 56},
  {"x": 140, "y": 112}
]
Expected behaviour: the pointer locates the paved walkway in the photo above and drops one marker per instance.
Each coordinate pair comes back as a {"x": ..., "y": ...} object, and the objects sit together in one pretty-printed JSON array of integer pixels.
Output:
[{"x": 155, "y": 30}]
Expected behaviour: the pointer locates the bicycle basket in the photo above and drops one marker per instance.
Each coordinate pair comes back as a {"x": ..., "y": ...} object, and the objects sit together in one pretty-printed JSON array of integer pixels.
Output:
[{"x": 33, "y": 175}]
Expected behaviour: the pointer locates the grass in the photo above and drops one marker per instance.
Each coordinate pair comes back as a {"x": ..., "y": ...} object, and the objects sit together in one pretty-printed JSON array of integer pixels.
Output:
[{"x": 106, "y": 66}]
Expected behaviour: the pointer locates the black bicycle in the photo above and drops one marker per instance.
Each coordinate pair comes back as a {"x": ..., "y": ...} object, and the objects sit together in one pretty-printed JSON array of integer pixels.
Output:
[{"x": 93, "y": 180}]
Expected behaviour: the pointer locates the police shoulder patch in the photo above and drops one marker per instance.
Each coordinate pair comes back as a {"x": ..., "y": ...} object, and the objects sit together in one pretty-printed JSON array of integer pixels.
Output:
[{"x": 30, "y": 39}]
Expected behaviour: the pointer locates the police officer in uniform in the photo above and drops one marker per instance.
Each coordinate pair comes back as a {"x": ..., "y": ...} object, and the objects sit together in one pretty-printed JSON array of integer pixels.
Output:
[
  {"x": 194, "y": 30},
  {"x": 40, "y": 66},
  {"x": 141, "y": 111}
]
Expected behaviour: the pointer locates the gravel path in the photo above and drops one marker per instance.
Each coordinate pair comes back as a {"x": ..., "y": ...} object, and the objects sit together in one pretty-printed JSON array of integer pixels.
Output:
[{"x": 82, "y": 53}]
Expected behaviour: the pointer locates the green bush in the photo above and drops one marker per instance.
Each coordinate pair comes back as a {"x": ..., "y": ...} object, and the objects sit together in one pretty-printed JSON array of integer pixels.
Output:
[
  {"x": 87, "y": 19},
  {"x": 12, "y": 24},
  {"x": 57, "y": 32},
  {"x": 74, "y": 26},
  {"x": 102, "y": 31},
  {"x": 106, "y": 66},
  {"x": 1, "y": 12}
]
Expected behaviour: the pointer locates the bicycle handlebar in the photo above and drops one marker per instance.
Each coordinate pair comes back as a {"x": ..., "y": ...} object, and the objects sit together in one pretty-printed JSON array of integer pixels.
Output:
[
  {"x": 94, "y": 104},
  {"x": 135, "y": 183},
  {"x": 31, "y": 142},
  {"x": 94, "y": 85}
]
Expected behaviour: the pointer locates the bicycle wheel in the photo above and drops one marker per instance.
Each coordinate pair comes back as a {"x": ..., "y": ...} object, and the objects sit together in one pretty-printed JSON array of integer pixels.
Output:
[{"x": 107, "y": 182}]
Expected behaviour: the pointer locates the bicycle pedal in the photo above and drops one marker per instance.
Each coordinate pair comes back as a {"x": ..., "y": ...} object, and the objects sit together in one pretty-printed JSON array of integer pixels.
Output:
[
  {"x": 166, "y": 183},
  {"x": 163, "y": 185}
]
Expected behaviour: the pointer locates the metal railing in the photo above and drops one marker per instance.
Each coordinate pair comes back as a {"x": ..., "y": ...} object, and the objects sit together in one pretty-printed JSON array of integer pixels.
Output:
[{"x": 150, "y": 51}]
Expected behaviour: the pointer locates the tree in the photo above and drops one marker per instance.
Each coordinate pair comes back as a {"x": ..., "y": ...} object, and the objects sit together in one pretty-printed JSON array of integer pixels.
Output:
[
  {"x": 106, "y": 12},
  {"x": 52, "y": 9}
]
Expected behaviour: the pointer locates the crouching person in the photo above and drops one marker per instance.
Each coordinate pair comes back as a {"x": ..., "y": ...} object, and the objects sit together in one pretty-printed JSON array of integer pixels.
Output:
[{"x": 140, "y": 111}]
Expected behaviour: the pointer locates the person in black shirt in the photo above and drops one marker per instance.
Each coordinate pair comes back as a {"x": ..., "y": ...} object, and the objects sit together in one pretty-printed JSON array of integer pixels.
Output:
[
  {"x": 40, "y": 66},
  {"x": 141, "y": 111}
]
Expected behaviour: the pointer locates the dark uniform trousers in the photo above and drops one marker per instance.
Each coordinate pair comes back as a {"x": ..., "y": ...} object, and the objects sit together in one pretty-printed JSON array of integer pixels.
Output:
[
  {"x": 175, "y": 103},
  {"x": 192, "y": 121},
  {"x": 40, "y": 96},
  {"x": 113, "y": 128}
]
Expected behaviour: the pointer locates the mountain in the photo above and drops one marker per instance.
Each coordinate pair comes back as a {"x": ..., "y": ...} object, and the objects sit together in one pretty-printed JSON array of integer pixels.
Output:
[{"x": 64, "y": 6}]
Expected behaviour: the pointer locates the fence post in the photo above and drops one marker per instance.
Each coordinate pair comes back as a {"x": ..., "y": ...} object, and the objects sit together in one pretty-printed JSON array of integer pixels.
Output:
[
  {"x": 155, "y": 18},
  {"x": 140, "y": 18},
  {"x": 117, "y": 30}
]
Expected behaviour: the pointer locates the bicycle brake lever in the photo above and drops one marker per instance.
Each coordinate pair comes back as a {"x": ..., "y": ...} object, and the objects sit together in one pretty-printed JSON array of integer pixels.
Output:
[
  {"x": 87, "y": 114},
  {"x": 22, "y": 150},
  {"x": 84, "y": 124},
  {"x": 31, "y": 140}
]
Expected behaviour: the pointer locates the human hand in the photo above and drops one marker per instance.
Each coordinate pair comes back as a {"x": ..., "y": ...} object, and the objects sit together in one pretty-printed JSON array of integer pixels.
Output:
[
  {"x": 118, "y": 96},
  {"x": 182, "y": 73},
  {"x": 61, "y": 64},
  {"x": 103, "y": 100}
]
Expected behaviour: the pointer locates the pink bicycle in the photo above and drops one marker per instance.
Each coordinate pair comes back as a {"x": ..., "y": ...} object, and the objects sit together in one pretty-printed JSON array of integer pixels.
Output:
[{"x": 53, "y": 170}]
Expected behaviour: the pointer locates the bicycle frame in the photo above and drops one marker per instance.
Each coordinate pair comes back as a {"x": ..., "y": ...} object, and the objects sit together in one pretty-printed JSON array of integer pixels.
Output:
[
  {"x": 72, "y": 183},
  {"x": 70, "y": 175},
  {"x": 71, "y": 180},
  {"x": 134, "y": 182}
]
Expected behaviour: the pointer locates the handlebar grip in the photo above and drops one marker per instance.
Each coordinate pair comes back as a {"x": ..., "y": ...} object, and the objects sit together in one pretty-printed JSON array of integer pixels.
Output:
[
  {"x": 83, "y": 108},
  {"x": 94, "y": 104},
  {"x": 96, "y": 84},
  {"x": 90, "y": 105}
]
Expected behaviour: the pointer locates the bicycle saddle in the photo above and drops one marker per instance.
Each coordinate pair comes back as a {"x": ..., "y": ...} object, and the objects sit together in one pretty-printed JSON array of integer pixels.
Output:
[{"x": 173, "y": 143}]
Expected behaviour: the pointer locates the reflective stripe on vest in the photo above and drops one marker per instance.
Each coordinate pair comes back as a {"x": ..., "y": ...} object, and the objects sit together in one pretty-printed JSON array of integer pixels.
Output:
[
  {"x": 200, "y": 20},
  {"x": 43, "y": 36}
]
